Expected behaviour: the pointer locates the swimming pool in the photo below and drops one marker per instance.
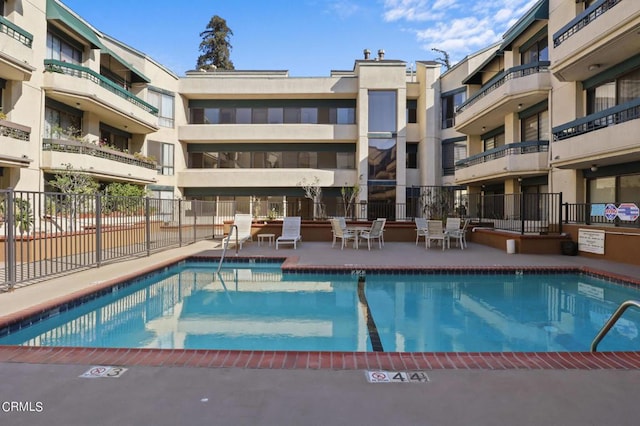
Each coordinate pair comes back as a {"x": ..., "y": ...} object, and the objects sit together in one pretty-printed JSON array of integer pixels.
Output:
[{"x": 258, "y": 307}]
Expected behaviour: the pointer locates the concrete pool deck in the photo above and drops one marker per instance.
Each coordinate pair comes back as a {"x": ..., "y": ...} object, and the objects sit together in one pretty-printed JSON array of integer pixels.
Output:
[{"x": 155, "y": 393}]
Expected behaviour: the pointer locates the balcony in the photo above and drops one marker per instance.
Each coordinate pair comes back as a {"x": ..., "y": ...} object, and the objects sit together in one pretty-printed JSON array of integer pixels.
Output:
[
  {"x": 579, "y": 143},
  {"x": 206, "y": 133},
  {"x": 524, "y": 85},
  {"x": 101, "y": 163},
  {"x": 264, "y": 178},
  {"x": 515, "y": 159},
  {"x": 13, "y": 140},
  {"x": 84, "y": 88},
  {"x": 15, "y": 52},
  {"x": 602, "y": 36}
]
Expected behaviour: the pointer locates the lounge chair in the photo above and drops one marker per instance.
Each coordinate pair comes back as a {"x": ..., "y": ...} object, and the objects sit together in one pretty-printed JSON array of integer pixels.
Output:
[
  {"x": 290, "y": 232},
  {"x": 243, "y": 224},
  {"x": 421, "y": 228},
  {"x": 435, "y": 231},
  {"x": 339, "y": 232},
  {"x": 375, "y": 233}
]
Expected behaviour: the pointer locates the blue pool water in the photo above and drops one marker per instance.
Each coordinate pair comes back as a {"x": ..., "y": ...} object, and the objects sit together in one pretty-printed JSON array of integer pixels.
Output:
[{"x": 257, "y": 307}]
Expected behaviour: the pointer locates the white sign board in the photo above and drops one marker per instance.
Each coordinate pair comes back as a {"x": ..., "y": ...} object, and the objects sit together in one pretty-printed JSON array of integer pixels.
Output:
[{"x": 591, "y": 240}]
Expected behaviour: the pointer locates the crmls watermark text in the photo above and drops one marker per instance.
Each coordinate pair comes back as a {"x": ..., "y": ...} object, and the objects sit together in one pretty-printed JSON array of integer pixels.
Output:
[{"x": 21, "y": 406}]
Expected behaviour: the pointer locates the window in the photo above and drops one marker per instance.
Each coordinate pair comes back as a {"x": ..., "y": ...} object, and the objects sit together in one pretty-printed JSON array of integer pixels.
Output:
[
  {"x": 450, "y": 102},
  {"x": 115, "y": 138},
  {"x": 63, "y": 50},
  {"x": 412, "y": 111},
  {"x": 539, "y": 51},
  {"x": 382, "y": 111},
  {"x": 453, "y": 150},
  {"x": 164, "y": 101},
  {"x": 164, "y": 155},
  {"x": 3, "y": 82},
  {"x": 614, "y": 92},
  {"x": 309, "y": 115},
  {"x": 494, "y": 141},
  {"x": 62, "y": 123},
  {"x": 535, "y": 127},
  {"x": 243, "y": 115},
  {"x": 412, "y": 155}
]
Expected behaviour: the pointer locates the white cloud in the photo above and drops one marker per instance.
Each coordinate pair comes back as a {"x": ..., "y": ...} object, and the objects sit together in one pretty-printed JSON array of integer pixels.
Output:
[
  {"x": 459, "y": 27},
  {"x": 343, "y": 9}
]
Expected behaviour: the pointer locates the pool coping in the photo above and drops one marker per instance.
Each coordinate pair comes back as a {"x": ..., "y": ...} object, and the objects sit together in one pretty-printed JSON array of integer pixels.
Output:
[{"x": 396, "y": 361}]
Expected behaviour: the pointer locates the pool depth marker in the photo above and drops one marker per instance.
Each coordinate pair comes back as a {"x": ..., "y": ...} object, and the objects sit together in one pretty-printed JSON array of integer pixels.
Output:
[{"x": 376, "y": 344}]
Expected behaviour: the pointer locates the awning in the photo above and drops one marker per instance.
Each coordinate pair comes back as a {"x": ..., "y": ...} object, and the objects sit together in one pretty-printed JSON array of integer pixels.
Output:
[
  {"x": 58, "y": 12},
  {"x": 539, "y": 11}
]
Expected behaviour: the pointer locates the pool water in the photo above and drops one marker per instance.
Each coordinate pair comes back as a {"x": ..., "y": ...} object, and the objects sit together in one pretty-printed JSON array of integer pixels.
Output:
[{"x": 257, "y": 307}]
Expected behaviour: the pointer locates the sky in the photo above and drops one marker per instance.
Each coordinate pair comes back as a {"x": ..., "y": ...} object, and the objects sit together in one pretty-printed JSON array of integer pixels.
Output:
[{"x": 309, "y": 38}]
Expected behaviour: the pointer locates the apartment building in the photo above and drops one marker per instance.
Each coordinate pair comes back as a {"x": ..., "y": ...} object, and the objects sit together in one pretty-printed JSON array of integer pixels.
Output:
[{"x": 550, "y": 108}]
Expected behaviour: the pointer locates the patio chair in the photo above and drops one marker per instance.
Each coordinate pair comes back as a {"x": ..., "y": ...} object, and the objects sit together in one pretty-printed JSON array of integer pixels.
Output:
[
  {"x": 243, "y": 224},
  {"x": 384, "y": 222},
  {"x": 460, "y": 234},
  {"x": 452, "y": 226},
  {"x": 421, "y": 228},
  {"x": 375, "y": 233},
  {"x": 343, "y": 225},
  {"x": 435, "y": 231},
  {"x": 290, "y": 232},
  {"x": 339, "y": 232}
]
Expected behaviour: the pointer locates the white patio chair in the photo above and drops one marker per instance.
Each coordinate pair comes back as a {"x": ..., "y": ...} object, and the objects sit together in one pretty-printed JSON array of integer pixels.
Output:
[
  {"x": 452, "y": 227},
  {"x": 290, "y": 232},
  {"x": 243, "y": 224},
  {"x": 375, "y": 233},
  {"x": 384, "y": 222},
  {"x": 343, "y": 225},
  {"x": 339, "y": 232},
  {"x": 435, "y": 231},
  {"x": 421, "y": 228},
  {"x": 460, "y": 234}
]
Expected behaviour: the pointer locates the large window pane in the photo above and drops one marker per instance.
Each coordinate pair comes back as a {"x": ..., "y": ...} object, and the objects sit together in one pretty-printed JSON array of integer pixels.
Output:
[
  {"x": 243, "y": 115},
  {"x": 309, "y": 115},
  {"x": 292, "y": 115},
  {"x": 602, "y": 190},
  {"x": 327, "y": 160},
  {"x": 382, "y": 159},
  {"x": 259, "y": 116},
  {"x": 276, "y": 115},
  {"x": 382, "y": 111},
  {"x": 629, "y": 189}
]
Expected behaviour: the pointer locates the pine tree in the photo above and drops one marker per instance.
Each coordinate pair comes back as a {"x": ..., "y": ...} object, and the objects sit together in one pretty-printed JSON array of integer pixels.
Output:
[{"x": 215, "y": 46}]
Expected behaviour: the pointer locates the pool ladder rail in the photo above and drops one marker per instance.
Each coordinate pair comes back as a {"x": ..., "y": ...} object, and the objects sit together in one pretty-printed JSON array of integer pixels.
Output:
[
  {"x": 226, "y": 245},
  {"x": 612, "y": 321}
]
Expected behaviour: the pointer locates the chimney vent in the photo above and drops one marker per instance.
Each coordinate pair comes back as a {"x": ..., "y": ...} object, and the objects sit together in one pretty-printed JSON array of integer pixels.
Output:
[
  {"x": 380, "y": 54},
  {"x": 367, "y": 53}
]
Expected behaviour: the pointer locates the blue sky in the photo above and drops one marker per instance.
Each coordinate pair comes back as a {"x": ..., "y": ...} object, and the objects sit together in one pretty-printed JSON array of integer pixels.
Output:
[{"x": 306, "y": 37}]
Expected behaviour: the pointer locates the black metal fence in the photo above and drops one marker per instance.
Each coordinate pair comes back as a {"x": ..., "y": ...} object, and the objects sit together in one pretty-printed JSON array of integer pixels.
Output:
[
  {"x": 602, "y": 214},
  {"x": 45, "y": 234}
]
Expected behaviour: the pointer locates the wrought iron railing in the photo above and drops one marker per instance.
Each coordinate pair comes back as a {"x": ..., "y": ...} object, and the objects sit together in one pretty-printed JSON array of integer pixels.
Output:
[
  {"x": 502, "y": 78},
  {"x": 14, "y": 31},
  {"x": 87, "y": 148},
  {"x": 609, "y": 117},
  {"x": 52, "y": 65},
  {"x": 503, "y": 151},
  {"x": 582, "y": 20}
]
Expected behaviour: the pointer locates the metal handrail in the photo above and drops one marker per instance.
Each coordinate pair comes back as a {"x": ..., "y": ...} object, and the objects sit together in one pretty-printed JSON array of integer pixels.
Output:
[
  {"x": 611, "y": 322},
  {"x": 226, "y": 245}
]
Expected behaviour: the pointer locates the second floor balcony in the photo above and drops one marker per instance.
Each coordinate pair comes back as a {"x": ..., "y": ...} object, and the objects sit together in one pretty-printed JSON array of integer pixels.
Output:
[
  {"x": 13, "y": 140},
  {"x": 606, "y": 137},
  {"x": 86, "y": 89},
  {"x": 513, "y": 89},
  {"x": 102, "y": 163},
  {"x": 514, "y": 159}
]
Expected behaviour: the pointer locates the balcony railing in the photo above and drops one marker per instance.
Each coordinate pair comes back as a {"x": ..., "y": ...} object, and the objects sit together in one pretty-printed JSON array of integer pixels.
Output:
[
  {"x": 14, "y": 131},
  {"x": 581, "y": 21},
  {"x": 503, "y": 151},
  {"x": 502, "y": 78},
  {"x": 609, "y": 117},
  {"x": 87, "y": 148},
  {"x": 52, "y": 65},
  {"x": 12, "y": 30}
]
